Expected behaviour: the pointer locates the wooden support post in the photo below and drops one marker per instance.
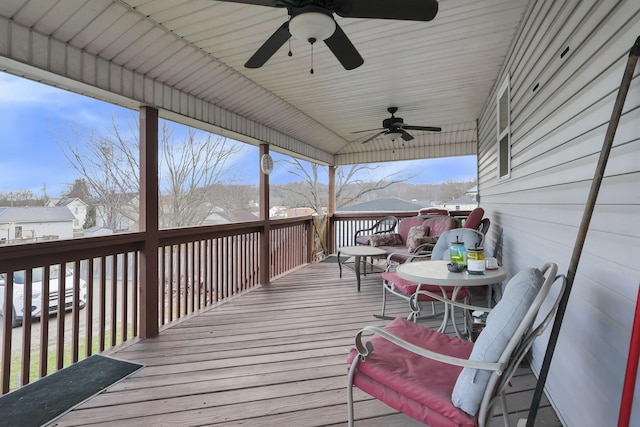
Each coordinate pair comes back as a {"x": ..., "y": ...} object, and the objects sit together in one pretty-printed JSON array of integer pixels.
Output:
[
  {"x": 331, "y": 244},
  {"x": 265, "y": 235},
  {"x": 149, "y": 222}
]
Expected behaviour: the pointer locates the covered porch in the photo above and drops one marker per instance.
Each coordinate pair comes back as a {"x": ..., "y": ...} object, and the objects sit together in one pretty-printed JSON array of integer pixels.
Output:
[{"x": 526, "y": 86}]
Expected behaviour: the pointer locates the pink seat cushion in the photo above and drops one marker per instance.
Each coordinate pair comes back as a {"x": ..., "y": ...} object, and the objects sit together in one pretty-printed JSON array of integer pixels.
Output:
[
  {"x": 433, "y": 211},
  {"x": 408, "y": 287},
  {"x": 474, "y": 218},
  {"x": 405, "y": 225},
  {"x": 363, "y": 240},
  {"x": 415, "y": 385},
  {"x": 439, "y": 224}
]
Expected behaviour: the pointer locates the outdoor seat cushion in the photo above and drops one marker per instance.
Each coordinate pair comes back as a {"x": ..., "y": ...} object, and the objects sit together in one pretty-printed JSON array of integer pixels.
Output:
[
  {"x": 502, "y": 323},
  {"x": 386, "y": 239},
  {"x": 474, "y": 218},
  {"x": 415, "y": 385},
  {"x": 405, "y": 225},
  {"x": 416, "y": 237},
  {"x": 408, "y": 287},
  {"x": 364, "y": 240},
  {"x": 439, "y": 224}
]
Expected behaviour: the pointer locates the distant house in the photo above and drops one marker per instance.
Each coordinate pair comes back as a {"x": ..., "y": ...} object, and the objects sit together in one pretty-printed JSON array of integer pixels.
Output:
[
  {"x": 35, "y": 223},
  {"x": 77, "y": 207},
  {"x": 463, "y": 203},
  {"x": 124, "y": 218}
]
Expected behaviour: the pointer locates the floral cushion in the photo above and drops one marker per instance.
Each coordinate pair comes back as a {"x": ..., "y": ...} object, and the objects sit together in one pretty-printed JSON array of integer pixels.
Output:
[
  {"x": 387, "y": 239},
  {"x": 422, "y": 240},
  {"x": 415, "y": 234}
]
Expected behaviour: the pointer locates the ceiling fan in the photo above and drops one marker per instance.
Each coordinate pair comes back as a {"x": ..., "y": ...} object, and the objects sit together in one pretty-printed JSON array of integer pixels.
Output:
[
  {"x": 312, "y": 21},
  {"x": 395, "y": 127}
]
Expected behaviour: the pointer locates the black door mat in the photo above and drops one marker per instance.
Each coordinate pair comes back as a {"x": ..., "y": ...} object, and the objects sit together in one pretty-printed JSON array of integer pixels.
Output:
[
  {"x": 42, "y": 401},
  {"x": 334, "y": 258}
]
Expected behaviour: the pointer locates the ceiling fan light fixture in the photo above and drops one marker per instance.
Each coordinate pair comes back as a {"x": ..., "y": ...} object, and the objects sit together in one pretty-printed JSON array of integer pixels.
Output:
[
  {"x": 392, "y": 135},
  {"x": 312, "y": 26}
]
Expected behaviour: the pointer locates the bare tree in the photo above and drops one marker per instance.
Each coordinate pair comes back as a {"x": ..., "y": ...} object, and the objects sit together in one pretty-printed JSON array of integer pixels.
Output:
[
  {"x": 19, "y": 198},
  {"x": 310, "y": 189},
  {"x": 192, "y": 166},
  {"x": 110, "y": 166},
  {"x": 351, "y": 185}
]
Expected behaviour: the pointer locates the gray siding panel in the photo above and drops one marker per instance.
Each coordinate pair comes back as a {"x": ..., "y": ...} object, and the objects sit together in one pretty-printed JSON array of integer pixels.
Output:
[{"x": 557, "y": 134}]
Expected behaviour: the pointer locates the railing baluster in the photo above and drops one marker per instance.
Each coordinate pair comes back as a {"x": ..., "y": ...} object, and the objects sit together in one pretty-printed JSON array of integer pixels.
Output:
[
  {"x": 162, "y": 278},
  {"x": 75, "y": 309},
  {"x": 114, "y": 299},
  {"x": 26, "y": 326},
  {"x": 103, "y": 301},
  {"x": 89, "y": 308},
  {"x": 172, "y": 260},
  {"x": 44, "y": 325},
  {"x": 136, "y": 292},
  {"x": 6, "y": 327},
  {"x": 124, "y": 297},
  {"x": 60, "y": 317},
  {"x": 178, "y": 279}
]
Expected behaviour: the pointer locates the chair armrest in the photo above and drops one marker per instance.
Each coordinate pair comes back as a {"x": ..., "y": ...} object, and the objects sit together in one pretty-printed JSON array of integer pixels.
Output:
[
  {"x": 455, "y": 303},
  {"x": 365, "y": 348},
  {"x": 412, "y": 257},
  {"x": 364, "y": 229},
  {"x": 424, "y": 248}
]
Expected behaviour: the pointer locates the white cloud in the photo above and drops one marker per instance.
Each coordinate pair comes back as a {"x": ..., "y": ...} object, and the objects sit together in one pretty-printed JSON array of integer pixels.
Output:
[{"x": 18, "y": 90}]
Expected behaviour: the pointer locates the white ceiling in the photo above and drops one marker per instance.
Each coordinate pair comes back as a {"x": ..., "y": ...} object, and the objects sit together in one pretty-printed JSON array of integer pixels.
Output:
[{"x": 437, "y": 73}]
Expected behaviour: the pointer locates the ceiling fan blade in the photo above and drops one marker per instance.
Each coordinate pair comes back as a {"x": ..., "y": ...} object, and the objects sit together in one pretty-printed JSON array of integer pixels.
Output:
[
  {"x": 368, "y": 130},
  {"x": 344, "y": 50},
  {"x": 373, "y": 136},
  {"x": 269, "y": 47},
  {"x": 409, "y": 10},
  {"x": 427, "y": 128},
  {"x": 405, "y": 135},
  {"x": 270, "y": 3}
]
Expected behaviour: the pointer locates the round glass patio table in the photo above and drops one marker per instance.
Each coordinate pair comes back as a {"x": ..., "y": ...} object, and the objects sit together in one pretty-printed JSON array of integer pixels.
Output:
[
  {"x": 437, "y": 273},
  {"x": 358, "y": 252}
]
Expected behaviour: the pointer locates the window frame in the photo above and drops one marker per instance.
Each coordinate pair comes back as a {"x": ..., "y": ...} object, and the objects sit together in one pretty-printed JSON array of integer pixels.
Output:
[{"x": 502, "y": 133}]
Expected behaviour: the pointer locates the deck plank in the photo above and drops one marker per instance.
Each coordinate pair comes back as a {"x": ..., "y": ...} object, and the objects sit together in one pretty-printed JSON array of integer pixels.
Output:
[{"x": 274, "y": 356}]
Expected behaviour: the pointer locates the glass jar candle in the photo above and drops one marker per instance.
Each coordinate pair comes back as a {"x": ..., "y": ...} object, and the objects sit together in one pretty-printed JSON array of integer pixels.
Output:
[
  {"x": 457, "y": 253},
  {"x": 475, "y": 261}
]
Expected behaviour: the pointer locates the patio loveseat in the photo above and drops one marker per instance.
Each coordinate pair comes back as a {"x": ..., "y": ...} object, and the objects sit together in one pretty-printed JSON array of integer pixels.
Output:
[{"x": 412, "y": 233}]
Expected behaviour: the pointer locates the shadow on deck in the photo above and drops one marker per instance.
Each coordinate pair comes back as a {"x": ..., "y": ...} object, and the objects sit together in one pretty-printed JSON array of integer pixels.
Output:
[{"x": 275, "y": 356}]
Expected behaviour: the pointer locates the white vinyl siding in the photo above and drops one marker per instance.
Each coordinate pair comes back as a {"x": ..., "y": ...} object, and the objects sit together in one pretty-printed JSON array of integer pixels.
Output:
[{"x": 565, "y": 68}]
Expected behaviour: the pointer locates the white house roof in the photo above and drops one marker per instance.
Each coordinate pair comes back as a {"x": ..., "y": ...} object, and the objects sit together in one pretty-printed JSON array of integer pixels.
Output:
[
  {"x": 68, "y": 201},
  {"x": 187, "y": 58},
  {"x": 35, "y": 214}
]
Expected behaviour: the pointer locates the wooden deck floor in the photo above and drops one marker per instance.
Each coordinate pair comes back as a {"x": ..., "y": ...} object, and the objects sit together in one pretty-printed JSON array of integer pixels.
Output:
[{"x": 275, "y": 356}]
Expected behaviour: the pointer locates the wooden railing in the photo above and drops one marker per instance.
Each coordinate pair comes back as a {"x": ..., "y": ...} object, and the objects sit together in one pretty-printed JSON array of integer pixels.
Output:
[
  {"x": 345, "y": 224},
  {"x": 198, "y": 267}
]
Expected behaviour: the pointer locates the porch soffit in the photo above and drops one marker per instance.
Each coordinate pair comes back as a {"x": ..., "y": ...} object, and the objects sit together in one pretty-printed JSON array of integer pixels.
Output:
[{"x": 186, "y": 58}]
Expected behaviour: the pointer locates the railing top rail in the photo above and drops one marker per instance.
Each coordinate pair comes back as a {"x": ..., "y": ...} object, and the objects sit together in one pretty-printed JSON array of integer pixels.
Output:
[{"x": 19, "y": 257}]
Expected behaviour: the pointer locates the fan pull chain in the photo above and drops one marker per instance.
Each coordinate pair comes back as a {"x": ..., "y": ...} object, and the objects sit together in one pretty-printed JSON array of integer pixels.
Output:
[
  {"x": 290, "y": 53},
  {"x": 312, "y": 40}
]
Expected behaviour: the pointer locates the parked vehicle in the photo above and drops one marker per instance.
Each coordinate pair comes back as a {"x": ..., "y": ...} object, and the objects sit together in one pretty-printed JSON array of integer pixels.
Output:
[{"x": 19, "y": 278}]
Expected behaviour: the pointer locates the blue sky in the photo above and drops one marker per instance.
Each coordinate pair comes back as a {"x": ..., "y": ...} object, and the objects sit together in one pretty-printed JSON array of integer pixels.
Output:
[{"x": 35, "y": 117}]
